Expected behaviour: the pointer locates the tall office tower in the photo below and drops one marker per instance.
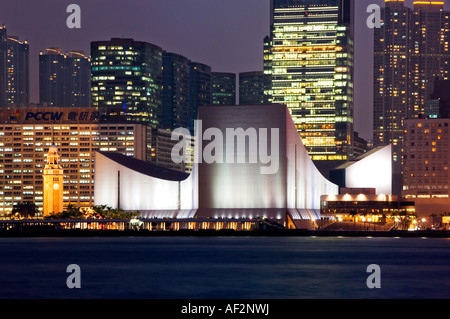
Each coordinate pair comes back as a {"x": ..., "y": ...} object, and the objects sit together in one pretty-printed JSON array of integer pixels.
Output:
[
  {"x": 64, "y": 79},
  {"x": 175, "y": 91},
  {"x": 78, "y": 93},
  {"x": 309, "y": 57},
  {"x": 223, "y": 88},
  {"x": 200, "y": 89},
  {"x": 14, "y": 70},
  {"x": 410, "y": 51},
  {"x": 252, "y": 86},
  {"x": 127, "y": 80}
]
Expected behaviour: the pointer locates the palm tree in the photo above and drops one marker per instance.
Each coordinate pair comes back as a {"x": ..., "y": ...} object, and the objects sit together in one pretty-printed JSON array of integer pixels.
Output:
[{"x": 25, "y": 209}]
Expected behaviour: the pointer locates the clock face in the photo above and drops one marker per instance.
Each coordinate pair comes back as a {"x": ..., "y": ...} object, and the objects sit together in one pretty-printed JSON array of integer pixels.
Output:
[{"x": 55, "y": 186}]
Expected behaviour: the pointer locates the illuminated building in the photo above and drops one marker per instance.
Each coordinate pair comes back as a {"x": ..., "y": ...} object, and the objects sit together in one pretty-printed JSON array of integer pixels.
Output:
[
  {"x": 14, "y": 70},
  {"x": 28, "y": 133},
  {"x": 252, "y": 86},
  {"x": 79, "y": 70},
  {"x": 426, "y": 178},
  {"x": 359, "y": 201},
  {"x": 372, "y": 169},
  {"x": 223, "y": 90},
  {"x": 410, "y": 51},
  {"x": 64, "y": 79},
  {"x": 289, "y": 195},
  {"x": 127, "y": 80},
  {"x": 430, "y": 55},
  {"x": 53, "y": 183},
  {"x": 52, "y": 81},
  {"x": 309, "y": 58}
]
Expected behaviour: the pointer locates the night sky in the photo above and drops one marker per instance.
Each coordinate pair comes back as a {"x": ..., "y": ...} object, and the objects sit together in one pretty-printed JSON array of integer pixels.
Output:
[{"x": 225, "y": 34}]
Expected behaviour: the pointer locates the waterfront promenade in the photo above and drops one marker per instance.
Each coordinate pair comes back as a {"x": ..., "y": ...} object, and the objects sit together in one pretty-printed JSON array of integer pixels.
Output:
[{"x": 163, "y": 227}]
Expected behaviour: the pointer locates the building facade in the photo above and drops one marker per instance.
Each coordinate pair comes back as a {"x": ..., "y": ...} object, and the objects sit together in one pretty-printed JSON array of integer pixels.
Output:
[
  {"x": 309, "y": 58},
  {"x": 252, "y": 88},
  {"x": 223, "y": 88},
  {"x": 285, "y": 187},
  {"x": 28, "y": 133},
  {"x": 127, "y": 80},
  {"x": 426, "y": 159},
  {"x": 14, "y": 70},
  {"x": 175, "y": 101},
  {"x": 411, "y": 50},
  {"x": 200, "y": 89},
  {"x": 426, "y": 177},
  {"x": 64, "y": 78}
]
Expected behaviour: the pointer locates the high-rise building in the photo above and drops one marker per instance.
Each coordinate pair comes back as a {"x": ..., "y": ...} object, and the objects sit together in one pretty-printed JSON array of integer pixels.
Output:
[
  {"x": 52, "y": 78},
  {"x": 223, "y": 88},
  {"x": 64, "y": 79},
  {"x": 430, "y": 52},
  {"x": 410, "y": 51},
  {"x": 200, "y": 89},
  {"x": 14, "y": 70},
  {"x": 426, "y": 176},
  {"x": 175, "y": 96},
  {"x": 309, "y": 58},
  {"x": 252, "y": 86},
  {"x": 27, "y": 135},
  {"x": 127, "y": 80},
  {"x": 79, "y": 77}
]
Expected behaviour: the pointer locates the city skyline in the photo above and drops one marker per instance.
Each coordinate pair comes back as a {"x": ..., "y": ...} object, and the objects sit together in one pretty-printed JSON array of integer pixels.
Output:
[
  {"x": 218, "y": 150},
  {"x": 233, "y": 24}
]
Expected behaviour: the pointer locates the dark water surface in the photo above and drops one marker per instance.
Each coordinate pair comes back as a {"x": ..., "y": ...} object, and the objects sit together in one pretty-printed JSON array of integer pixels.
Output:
[{"x": 225, "y": 267}]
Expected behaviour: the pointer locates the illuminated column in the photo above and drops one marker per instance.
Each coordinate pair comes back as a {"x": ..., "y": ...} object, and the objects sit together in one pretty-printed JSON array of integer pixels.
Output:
[
  {"x": 309, "y": 59},
  {"x": 53, "y": 183}
]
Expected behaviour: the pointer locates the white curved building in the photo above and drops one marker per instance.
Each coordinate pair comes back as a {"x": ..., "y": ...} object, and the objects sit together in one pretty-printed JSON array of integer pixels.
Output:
[{"x": 249, "y": 162}]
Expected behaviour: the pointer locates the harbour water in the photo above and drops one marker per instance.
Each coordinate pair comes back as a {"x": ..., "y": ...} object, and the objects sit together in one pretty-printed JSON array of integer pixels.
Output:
[{"x": 224, "y": 267}]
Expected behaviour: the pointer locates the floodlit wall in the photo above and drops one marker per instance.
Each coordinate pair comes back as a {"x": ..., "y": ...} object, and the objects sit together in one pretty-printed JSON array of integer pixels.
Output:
[
  {"x": 229, "y": 184},
  {"x": 296, "y": 184},
  {"x": 373, "y": 171},
  {"x": 138, "y": 191}
]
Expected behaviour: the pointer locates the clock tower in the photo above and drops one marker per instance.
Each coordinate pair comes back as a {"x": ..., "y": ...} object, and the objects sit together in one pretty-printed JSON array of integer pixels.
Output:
[{"x": 53, "y": 183}]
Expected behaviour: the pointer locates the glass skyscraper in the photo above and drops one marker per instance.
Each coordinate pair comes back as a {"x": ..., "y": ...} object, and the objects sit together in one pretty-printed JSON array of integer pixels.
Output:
[
  {"x": 223, "y": 88},
  {"x": 309, "y": 59},
  {"x": 252, "y": 86},
  {"x": 127, "y": 80}
]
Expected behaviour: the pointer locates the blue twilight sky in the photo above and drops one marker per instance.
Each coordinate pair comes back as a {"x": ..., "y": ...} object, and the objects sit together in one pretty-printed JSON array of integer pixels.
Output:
[{"x": 225, "y": 34}]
